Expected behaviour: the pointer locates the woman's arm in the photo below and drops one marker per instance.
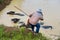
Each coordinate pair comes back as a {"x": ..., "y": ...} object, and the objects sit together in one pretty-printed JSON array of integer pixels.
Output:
[
  {"x": 30, "y": 15},
  {"x": 41, "y": 18}
]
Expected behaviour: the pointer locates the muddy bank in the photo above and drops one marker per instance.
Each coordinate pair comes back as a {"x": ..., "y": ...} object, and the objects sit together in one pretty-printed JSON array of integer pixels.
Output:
[{"x": 4, "y": 3}]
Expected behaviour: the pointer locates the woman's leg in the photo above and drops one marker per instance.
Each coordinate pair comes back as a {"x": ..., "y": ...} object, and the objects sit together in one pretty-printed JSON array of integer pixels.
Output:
[
  {"x": 37, "y": 27},
  {"x": 32, "y": 27}
]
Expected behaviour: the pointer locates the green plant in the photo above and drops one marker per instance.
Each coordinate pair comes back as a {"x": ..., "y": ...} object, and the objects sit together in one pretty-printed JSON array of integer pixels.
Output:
[
  {"x": 1, "y": 30},
  {"x": 58, "y": 39},
  {"x": 20, "y": 35},
  {"x": 1, "y": 1}
]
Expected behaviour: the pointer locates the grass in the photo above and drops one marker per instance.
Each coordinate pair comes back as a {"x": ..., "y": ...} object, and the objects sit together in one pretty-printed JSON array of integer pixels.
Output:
[
  {"x": 1, "y": 1},
  {"x": 58, "y": 39},
  {"x": 19, "y": 35}
]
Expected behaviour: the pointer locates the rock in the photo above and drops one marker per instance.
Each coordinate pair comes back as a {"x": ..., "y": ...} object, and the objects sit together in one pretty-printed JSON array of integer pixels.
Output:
[
  {"x": 47, "y": 27},
  {"x": 19, "y": 14},
  {"x": 15, "y": 20},
  {"x": 11, "y": 12}
]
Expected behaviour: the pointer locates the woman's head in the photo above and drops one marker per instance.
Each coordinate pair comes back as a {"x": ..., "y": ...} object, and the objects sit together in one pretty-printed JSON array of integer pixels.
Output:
[{"x": 39, "y": 11}]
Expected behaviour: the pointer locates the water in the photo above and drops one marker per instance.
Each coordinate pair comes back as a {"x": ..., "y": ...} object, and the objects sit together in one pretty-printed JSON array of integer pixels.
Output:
[{"x": 50, "y": 9}]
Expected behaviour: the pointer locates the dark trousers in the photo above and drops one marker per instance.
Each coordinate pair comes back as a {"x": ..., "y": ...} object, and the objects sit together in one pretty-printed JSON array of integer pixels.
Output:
[{"x": 37, "y": 27}]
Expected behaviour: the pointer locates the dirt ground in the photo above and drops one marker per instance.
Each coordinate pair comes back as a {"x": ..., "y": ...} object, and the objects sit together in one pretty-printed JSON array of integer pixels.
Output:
[{"x": 4, "y": 4}]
